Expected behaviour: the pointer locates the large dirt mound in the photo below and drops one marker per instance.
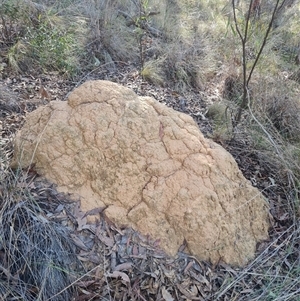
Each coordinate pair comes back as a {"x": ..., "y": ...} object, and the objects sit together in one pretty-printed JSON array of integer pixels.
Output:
[{"x": 151, "y": 168}]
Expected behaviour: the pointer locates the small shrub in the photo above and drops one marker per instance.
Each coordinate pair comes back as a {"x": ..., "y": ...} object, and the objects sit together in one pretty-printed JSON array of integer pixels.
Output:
[
  {"x": 54, "y": 48},
  {"x": 38, "y": 38}
]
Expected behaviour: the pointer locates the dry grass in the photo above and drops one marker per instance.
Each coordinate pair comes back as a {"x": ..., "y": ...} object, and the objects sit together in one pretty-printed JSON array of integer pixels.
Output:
[
  {"x": 152, "y": 71},
  {"x": 37, "y": 255},
  {"x": 272, "y": 276},
  {"x": 278, "y": 99}
]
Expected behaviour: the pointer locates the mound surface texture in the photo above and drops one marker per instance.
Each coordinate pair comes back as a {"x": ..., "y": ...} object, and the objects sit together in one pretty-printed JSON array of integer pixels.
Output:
[{"x": 151, "y": 168}]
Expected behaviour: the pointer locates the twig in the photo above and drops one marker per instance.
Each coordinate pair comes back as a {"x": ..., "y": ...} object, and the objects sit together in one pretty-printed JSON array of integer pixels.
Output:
[{"x": 77, "y": 280}]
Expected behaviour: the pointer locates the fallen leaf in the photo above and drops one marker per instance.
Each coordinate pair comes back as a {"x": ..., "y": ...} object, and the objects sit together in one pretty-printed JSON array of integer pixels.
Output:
[
  {"x": 59, "y": 208},
  {"x": 85, "y": 284},
  {"x": 80, "y": 218},
  {"x": 95, "y": 211},
  {"x": 78, "y": 242},
  {"x": 135, "y": 250},
  {"x": 166, "y": 295},
  {"x": 200, "y": 278},
  {"x": 117, "y": 274},
  {"x": 123, "y": 266},
  {"x": 190, "y": 264},
  {"x": 106, "y": 240},
  {"x": 186, "y": 293}
]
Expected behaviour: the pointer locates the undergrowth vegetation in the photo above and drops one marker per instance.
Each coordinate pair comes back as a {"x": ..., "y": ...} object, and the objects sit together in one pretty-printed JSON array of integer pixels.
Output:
[
  {"x": 37, "y": 36},
  {"x": 184, "y": 45}
]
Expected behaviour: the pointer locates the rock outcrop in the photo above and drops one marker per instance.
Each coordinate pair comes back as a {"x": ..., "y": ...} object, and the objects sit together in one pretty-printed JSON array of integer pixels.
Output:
[{"x": 150, "y": 166}]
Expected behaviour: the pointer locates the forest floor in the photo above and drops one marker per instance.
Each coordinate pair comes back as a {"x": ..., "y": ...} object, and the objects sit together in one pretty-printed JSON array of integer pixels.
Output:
[{"x": 120, "y": 264}]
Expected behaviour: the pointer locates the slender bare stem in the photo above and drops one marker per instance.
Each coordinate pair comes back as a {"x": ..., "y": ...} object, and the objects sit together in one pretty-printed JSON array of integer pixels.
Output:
[{"x": 244, "y": 37}]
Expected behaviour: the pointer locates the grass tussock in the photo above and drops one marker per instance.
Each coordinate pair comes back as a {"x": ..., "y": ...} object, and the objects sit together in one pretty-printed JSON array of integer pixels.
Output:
[
  {"x": 152, "y": 72},
  {"x": 37, "y": 255}
]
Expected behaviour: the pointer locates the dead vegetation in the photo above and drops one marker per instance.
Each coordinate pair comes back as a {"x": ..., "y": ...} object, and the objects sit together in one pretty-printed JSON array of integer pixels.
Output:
[
  {"x": 37, "y": 255},
  {"x": 50, "y": 252}
]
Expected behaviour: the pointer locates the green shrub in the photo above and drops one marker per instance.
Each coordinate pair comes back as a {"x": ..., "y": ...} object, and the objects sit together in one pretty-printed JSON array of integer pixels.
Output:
[
  {"x": 54, "y": 48},
  {"x": 37, "y": 37}
]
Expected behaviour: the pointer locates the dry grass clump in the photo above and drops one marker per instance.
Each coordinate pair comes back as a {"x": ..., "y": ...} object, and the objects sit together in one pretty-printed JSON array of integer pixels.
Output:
[
  {"x": 270, "y": 129},
  {"x": 37, "y": 255},
  {"x": 284, "y": 115},
  {"x": 272, "y": 276},
  {"x": 184, "y": 35},
  {"x": 190, "y": 44},
  {"x": 152, "y": 71},
  {"x": 277, "y": 101},
  {"x": 111, "y": 37},
  {"x": 233, "y": 88}
]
